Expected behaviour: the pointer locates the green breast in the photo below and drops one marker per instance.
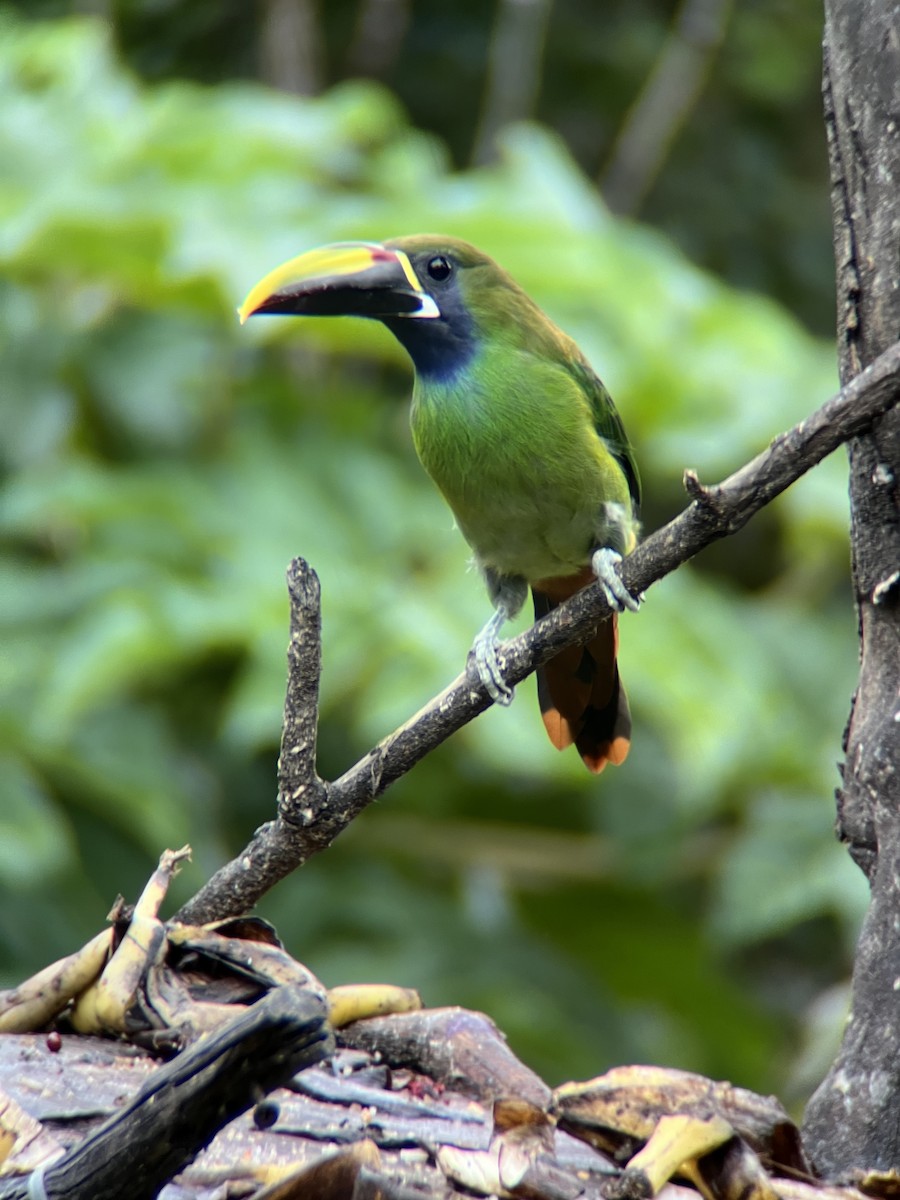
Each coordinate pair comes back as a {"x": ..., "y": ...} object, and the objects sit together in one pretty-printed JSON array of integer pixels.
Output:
[{"x": 511, "y": 445}]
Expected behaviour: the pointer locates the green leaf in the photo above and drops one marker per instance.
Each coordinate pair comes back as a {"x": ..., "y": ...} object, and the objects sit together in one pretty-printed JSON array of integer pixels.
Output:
[
  {"x": 784, "y": 869},
  {"x": 35, "y": 840}
]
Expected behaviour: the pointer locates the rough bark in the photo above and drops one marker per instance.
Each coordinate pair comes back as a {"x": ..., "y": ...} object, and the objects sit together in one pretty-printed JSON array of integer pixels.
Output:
[
  {"x": 181, "y": 1106},
  {"x": 853, "y": 1120}
]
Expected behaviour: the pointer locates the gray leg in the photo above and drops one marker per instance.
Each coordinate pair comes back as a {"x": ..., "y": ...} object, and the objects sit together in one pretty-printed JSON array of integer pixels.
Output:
[
  {"x": 616, "y": 535},
  {"x": 604, "y": 564},
  {"x": 508, "y": 594}
]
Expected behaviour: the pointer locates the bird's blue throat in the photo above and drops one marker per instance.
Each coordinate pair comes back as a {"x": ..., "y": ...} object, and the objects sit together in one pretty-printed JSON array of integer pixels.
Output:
[{"x": 440, "y": 347}]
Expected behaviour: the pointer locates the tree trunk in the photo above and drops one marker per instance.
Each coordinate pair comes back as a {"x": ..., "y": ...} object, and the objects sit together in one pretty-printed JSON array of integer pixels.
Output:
[{"x": 853, "y": 1120}]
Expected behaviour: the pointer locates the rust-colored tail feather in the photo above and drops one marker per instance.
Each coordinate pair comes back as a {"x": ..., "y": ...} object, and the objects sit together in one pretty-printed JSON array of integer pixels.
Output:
[{"x": 581, "y": 696}]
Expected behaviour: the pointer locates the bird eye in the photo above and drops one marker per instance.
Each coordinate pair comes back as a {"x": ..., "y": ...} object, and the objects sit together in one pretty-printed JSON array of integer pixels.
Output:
[{"x": 439, "y": 268}]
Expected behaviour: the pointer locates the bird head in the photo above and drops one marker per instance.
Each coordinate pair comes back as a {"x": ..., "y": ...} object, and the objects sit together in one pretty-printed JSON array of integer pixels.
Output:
[{"x": 438, "y": 295}]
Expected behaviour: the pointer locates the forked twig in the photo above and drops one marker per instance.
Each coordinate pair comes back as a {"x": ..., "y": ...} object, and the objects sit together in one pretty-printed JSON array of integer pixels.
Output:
[{"x": 312, "y": 812}]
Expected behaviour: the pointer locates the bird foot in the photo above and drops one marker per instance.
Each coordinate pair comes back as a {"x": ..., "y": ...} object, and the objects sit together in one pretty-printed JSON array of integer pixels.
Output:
[
  {"x": 484, "y": 649},
  {"x": 605, "y": 565}
]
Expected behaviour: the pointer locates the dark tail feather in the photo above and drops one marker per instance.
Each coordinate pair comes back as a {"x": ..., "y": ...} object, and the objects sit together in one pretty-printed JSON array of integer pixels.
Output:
[{"x": 581, "y": 696}]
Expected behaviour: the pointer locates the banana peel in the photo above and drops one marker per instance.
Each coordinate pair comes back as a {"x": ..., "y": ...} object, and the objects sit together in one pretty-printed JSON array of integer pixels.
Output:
[
  {"x": 24, "y": 1143},
  {"x": 674, "y": 1147},
  {"x": 358, "y": 1001},
  {"x": 103, "y": 1007},
  {"x": 164, "y": 984},
  {"x": 512, "y": 1165},
  {"x": 883, "y": 1184},
  {"x": 333, "y": 1176},
  {"x": 35, "y": 1003},
  {"x": 665, "y": 1123}
]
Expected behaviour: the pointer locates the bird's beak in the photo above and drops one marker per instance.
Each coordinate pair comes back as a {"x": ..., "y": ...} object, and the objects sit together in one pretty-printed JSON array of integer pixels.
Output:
[{"x": 362, "y": 279}]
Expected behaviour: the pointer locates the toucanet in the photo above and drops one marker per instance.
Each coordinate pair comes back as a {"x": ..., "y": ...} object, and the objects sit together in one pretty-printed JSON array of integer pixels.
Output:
[{"x": 519, "y": 435}]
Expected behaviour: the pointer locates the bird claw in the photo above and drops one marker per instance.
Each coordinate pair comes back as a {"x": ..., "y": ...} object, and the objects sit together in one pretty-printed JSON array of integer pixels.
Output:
[
  {"x": 605, "y": 564},
  {"x": 488, "y": 668}
]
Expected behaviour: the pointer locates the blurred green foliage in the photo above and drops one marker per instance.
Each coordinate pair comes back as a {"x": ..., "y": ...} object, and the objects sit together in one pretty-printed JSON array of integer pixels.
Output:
[
  {"x": 160, "y": 466},
  {"x": 743, "y": 190}
]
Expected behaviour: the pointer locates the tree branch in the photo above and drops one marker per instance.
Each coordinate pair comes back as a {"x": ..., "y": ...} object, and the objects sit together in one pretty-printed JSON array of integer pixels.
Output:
[
  {"x": 513, "y": 76},
  {"x": 312, "y": 813},
  {"x": 670, "y": 93},
  {"x": 290, "y": 46}
]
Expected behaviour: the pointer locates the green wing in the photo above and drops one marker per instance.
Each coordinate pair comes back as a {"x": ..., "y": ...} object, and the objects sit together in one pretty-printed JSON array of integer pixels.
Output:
[{"x": 609, "y": 426}]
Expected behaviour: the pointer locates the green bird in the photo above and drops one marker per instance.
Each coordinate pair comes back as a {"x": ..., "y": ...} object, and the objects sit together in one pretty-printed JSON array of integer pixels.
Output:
[{"x": 520, "y": 436}]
